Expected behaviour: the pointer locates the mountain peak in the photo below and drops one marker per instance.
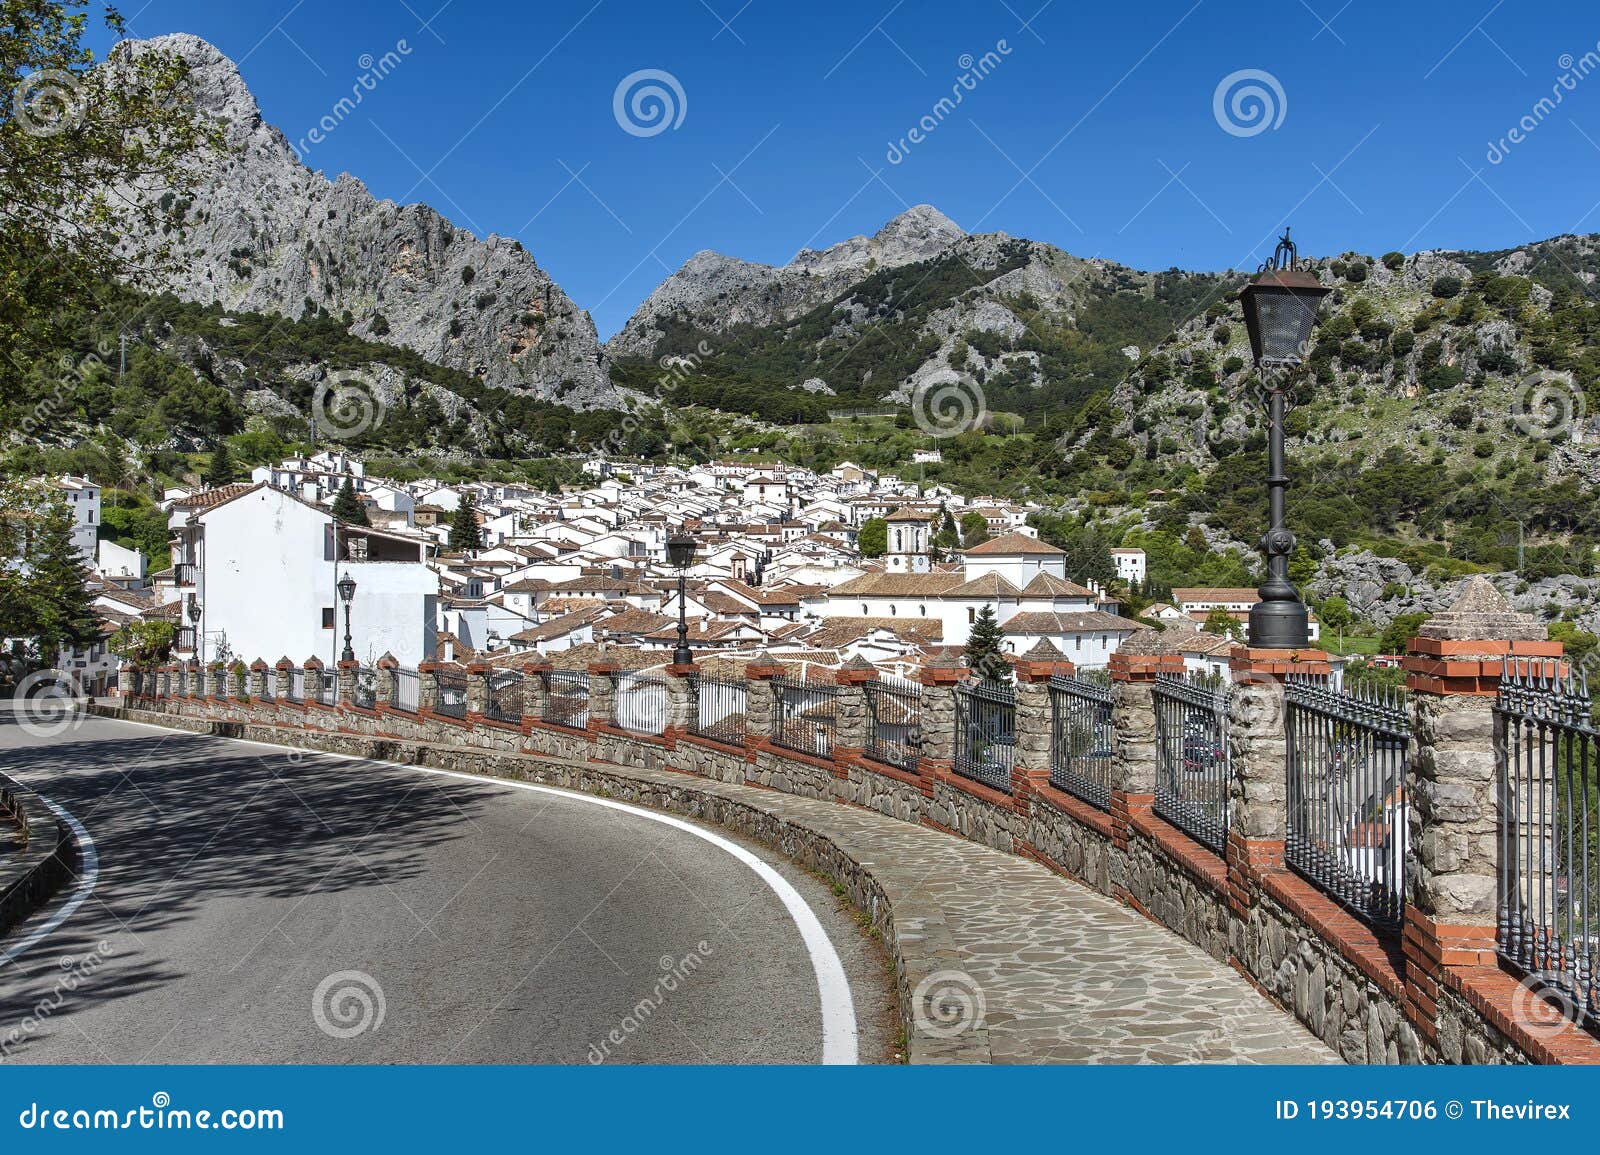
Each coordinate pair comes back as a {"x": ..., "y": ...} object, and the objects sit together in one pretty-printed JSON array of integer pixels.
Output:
[
  {"x": 215, "y": 81},
  {"x": 920, "y": 222}
]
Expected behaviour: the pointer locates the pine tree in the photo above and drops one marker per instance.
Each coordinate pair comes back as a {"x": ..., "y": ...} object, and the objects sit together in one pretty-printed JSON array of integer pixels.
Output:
[
  {"x": 985, "y": 653},
  {"x": 220, "y": 470},
  {"x": 347, "y": 506},
  {"x": 57, "y": 608},
  {"x": 466, "y": 535}
]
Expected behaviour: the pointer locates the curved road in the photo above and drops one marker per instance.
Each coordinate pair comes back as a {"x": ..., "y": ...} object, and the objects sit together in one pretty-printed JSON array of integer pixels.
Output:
[{"x": 260, "y": 905}]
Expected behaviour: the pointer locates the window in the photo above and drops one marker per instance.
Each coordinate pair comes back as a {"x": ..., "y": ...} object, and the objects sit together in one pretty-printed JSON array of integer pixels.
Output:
[
  {"x": 327, "y": 618},
  {"x": 1077, "y": 641},
  {"x": 863, "y": 609},
  {"x": 923, "y": 610},
  {"x": 972, "y": 615}
]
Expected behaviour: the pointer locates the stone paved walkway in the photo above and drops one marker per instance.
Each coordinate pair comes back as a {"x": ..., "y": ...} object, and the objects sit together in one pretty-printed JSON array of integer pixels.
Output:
[
  {"x": 1014, "y": 963},
  {"x": 1065, "y": 975}
]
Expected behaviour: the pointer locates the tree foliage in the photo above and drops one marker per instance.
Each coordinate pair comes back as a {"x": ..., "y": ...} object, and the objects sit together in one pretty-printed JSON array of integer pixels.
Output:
[{"x": 466, "y": 535}]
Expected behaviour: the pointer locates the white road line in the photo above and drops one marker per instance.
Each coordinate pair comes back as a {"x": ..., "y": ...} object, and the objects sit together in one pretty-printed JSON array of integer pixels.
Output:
[
  {"x": 86, "y": 882},
  {"x": 839, "y": 1029}
]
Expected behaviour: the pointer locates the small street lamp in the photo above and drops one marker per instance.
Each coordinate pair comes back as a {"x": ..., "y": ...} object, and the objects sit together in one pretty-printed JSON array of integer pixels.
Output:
[
  {"x": 347, "y": 592},
  {"x": 680, "y": 553},
  {"x": 1280, "y": 308}
]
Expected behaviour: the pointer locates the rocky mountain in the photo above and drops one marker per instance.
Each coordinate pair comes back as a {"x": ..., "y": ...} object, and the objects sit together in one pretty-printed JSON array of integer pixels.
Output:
[
  {"x": 714, "y": 293},
  {"x": 263, "y": 233}
]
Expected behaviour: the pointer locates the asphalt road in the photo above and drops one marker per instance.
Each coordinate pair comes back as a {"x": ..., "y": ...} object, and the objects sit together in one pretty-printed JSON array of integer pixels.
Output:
[{"x": 255, "y": 904}]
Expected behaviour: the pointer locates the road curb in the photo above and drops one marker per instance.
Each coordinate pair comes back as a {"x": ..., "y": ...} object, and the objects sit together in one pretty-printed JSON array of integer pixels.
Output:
[{"x": 30, "y": 878}]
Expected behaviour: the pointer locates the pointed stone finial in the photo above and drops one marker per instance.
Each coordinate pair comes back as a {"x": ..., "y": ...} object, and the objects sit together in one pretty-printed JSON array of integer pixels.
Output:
[{"x": 1482, "y": 613}]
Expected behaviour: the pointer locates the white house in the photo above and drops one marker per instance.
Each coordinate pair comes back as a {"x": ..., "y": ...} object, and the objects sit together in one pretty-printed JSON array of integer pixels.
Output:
[
  {"x": 1129, "y": 562},
  {"x": 262, "y": 566},
  {"x": 83, "y": 499}
]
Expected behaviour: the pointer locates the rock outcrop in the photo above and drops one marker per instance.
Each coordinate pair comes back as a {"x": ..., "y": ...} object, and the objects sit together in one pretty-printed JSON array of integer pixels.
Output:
[{"x": 264, "y": 233}]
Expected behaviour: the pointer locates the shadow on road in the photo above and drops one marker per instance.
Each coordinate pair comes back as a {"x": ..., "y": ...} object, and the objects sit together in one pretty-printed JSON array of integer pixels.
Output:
[{"x": 181, "y": 820}]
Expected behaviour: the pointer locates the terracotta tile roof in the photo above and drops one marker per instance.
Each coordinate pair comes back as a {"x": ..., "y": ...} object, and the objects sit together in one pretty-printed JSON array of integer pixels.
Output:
[
  {"x": 1014, "y": 543},
  {"x": 836, "y": 633},
  {"x": 1220, "y": 594},
  {"x": 1048, "y": 584},
  {"x": 1047, "y": 622},
  {"x": 211, "y": 498}
]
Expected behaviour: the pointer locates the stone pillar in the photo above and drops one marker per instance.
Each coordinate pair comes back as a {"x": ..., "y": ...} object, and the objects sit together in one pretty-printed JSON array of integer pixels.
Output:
[
  {"x": 237, "y": 682},
  {"x": 427, "y": 688},
  {"x": 761, "y": 711},
  {"x": 1035, "y": 720},
  {"x": 258, "y": 679},
  {"x": 284, "y": 672},
  {"x": 603, "y": 693},
  {"x": 194, "y": 681},
  {"x": 345, "y": 690},
  {"x": 216, "y": 681},
  {"x": 682, "y": 705},
  {"x": 1258, "y": 763},
  {"x": 535, "y": 691},
  {"x": 129, "y": 681},
  {"x": 851, "y": 720},
  {"x": 1133, "y": 669},
  {"x": 478, "y": 690},
  {"x": 387, "y": 665},
  {"x": 314, "y": 676},
  {"x": 939, "y": 679},
  {"x": 1456, "y": 837}
]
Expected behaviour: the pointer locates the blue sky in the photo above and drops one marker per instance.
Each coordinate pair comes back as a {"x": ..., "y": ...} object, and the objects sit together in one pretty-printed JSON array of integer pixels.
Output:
[{"x": 1094, "y": 126}]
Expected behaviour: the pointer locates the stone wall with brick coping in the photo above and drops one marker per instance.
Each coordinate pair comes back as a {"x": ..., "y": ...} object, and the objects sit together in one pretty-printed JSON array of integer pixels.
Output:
[{"x": 1293, "y": 943}]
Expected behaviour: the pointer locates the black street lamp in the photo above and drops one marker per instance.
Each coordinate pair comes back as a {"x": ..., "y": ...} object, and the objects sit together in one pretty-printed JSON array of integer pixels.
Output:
[
  {"x": 347, "y": 592},
  {"x": 1280, "y": 307},
  {"x": 680, "y": 552}
]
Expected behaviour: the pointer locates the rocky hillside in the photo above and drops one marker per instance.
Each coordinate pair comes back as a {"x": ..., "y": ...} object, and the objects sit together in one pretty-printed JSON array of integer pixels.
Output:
[
  {"x": 265, "y": 234},
  {"x": 715, "y": 293},
  {"x": 1020, "y": 325}
]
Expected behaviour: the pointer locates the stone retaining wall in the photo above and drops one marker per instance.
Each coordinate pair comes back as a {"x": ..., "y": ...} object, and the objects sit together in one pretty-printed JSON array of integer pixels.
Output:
[{"x": 31, "y": 876}]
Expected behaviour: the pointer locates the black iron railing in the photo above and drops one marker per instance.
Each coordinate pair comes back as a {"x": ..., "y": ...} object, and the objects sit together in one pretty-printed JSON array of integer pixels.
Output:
[
  {"x": 328, "y": 688},
  {"x": 1347, "y": 751},
  {"x": 641, "y": 703},
  {"x": 269, "y": 686},
  {"x": 894, "y": 722},
  {"x": 1081, "y": 736},
  {"x": 1192, "y": 766},
  {"x": 719, "y": 709},
  {"x": 1549, "y": 910},
  {"x": 297, "y": 685},
  {"x": 366, "y": 688},
  {"x": 568, "y": 701},
  {"x": 503, "y": 702},
  {"x": 986, "y": 733},
  {"x": 407, "y": 690},
  {"x": 451, "y": 697},
  {"x": 803, "y": 717}
]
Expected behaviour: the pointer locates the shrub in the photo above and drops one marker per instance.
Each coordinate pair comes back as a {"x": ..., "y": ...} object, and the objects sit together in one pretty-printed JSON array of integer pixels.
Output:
[
  {"x": 1446, "y": 286},
  {"x": 1221, "y": 334},
  {"x": 467, "y": 274},
  {"x": 1231, "y": 365},
  {"x": 1394, "y": 261},
  {"x": 1356, "y": 272}
]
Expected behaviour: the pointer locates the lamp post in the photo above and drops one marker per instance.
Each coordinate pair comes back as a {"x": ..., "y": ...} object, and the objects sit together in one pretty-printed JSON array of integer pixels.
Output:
[
  {"x": 680, "y": 552},
  {"x": 193, "y": 610},
  {"x": 1280, "y": 306},
  {"x": 347, "y": 592}
]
